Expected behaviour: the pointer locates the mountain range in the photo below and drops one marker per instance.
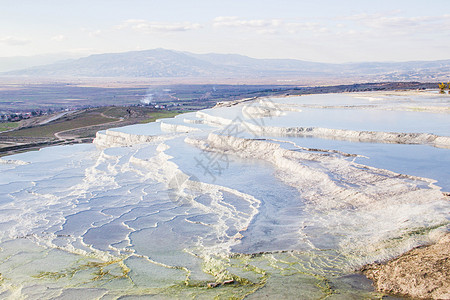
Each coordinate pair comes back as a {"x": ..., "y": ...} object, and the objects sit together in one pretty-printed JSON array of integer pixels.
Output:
[{"x": 162, "y": 63}]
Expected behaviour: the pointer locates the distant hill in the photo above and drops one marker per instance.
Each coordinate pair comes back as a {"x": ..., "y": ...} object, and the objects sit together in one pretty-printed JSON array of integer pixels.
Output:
[
  {"x": 158, "y": 63},
  {"x": 23, "y": 62}
]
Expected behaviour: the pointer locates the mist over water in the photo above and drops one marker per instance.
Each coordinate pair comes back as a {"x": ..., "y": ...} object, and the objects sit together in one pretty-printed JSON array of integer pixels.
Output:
[{"x": 282, "y": 197}]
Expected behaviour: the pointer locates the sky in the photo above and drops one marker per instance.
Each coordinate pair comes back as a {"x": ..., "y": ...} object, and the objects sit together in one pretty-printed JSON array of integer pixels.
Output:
[{"x": 335, "y": 31}]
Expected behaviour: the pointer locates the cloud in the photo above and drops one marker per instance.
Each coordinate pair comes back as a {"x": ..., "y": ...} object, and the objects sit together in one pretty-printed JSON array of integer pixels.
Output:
[
  {"x": 92, "y": 33},
  {"x": 380, "y": 22},
  {"x": 58, "y": 38},
  {"x": 379, "y": 25},
  {"x": 95, "y": 33},
  {"x": 267, "y": 31},
  {"x": 399, "y": 25},
  {"x": 236, "y": 22},
  {"x": 147, "y": 26},
  {"x": 271, "y": 26},
  {"x": 313, "y": 27},
  {"x": 12, "y": 41}
]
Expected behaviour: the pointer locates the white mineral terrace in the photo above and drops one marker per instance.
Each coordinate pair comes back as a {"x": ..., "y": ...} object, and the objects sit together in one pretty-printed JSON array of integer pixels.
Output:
[{"x": 275, "y": 198}]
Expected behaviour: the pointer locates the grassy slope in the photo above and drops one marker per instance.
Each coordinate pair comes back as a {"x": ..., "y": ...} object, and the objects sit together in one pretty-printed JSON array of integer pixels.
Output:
[
  {"x": 50, "y": 129},
  {"x": 92, "y": 117},
  {"x": 161, "y": 115},
  {"x": 8, "y": 126}
]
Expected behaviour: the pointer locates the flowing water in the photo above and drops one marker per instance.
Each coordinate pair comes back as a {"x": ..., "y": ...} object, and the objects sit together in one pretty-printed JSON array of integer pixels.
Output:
[{"x": 275, "y": 198}]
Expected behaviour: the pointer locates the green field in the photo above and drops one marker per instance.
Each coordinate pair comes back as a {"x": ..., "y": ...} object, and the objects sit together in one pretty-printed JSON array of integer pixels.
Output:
[
  {"x": 161, "y": 115},
  {"x": 8, "y": 126},
  {"x": 114, "y": 116},
  {"x": 49, "y": 130}
]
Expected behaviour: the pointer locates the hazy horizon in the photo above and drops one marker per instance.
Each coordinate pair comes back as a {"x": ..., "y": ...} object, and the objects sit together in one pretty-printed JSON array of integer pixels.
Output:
[
  {"x": 317, "y": 31},
  {"x": 71, "y": 55}
]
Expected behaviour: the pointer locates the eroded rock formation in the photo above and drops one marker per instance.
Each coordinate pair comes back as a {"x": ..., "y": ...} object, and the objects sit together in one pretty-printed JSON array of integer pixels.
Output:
[{"x": 420, "y": 273}]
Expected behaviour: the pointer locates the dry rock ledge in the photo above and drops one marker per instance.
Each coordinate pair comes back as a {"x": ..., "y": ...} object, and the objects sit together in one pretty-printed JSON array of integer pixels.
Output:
[{"x": 421, "y": 273}]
